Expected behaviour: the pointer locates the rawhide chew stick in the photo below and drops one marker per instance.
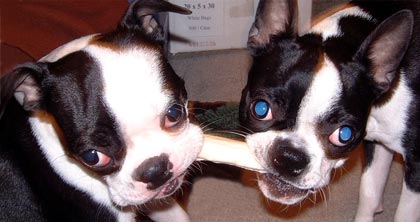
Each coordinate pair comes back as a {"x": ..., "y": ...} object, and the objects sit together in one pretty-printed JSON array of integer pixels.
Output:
[{"x": 228, "y": 151}]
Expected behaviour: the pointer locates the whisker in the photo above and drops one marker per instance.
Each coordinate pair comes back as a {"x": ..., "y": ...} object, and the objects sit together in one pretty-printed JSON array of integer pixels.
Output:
[
  {"x": 195, "y": 166},
  {"x": 343, "y": 168},
  {"x": 204, "y": 125},
  {"x": 285, "y": 208},
  {"x": 246, "y": 129},
  {"x": 231, "y": 133},
  {"x": 313, "y": 201},
  {"x": 334, "y": 174}
]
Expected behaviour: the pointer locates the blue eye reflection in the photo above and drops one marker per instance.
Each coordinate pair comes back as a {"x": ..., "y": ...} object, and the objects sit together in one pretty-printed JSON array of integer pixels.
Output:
[
  {"x": 261, "y": 109},
  {"x": 346, "y": 134}
]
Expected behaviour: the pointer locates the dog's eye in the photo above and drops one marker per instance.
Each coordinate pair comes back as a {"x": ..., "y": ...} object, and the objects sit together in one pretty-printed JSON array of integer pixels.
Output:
[
  {"x": 261, "y": 110},
  {"x": 95, "y": 158},
  {"x": 174, "y": 115},
  {"x": 341, "y": 136}
]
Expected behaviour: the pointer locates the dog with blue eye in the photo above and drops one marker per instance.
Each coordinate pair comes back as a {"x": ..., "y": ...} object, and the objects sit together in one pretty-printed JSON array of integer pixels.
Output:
[
  {"x": 97, "y": 128},
  {"x": 311, "y": 99}
]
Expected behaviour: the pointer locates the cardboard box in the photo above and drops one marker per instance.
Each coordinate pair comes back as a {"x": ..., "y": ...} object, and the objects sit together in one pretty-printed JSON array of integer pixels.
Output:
[
  {"x": 213, "y": 25},
  {"x": 219, "y": 24}
]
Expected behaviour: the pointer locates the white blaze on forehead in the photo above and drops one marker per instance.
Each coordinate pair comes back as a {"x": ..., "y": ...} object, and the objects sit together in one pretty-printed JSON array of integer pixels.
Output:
[
  {"x": 323, "y": 93},
  {"x": 329, "y": 26},
  {"x": 133, "y": 86},
  {"x": 321, "y": 97}
]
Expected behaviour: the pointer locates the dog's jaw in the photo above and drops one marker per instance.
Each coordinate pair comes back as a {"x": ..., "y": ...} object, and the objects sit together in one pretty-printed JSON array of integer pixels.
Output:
[{"x": 286, "y": 190}]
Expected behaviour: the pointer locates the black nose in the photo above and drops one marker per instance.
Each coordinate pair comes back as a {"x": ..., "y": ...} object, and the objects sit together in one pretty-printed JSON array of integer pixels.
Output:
[
  {"x": 287, "y": 160},
  {"x": 154, "y": 171}
]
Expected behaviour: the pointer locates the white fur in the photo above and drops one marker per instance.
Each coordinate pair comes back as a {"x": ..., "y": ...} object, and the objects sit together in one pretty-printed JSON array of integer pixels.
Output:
[
  {"x": 388, "y": 122},
  {"x": 127, "y": 76},
  {"x": 322, "y": 95},
  {"x": 328, "y": 27}
]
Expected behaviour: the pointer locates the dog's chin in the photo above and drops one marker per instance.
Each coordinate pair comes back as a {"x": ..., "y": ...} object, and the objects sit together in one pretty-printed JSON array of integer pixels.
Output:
[{"x": 278, "y": 190}]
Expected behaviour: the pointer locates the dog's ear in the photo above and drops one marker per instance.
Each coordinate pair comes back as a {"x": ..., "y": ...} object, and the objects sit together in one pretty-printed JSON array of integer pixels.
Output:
[
  {"x": 23, "y": 84},
  {"x": 140, "y": 16},
  {"x": 273, "y": 17},
  {"x": 385, "y": 47}
]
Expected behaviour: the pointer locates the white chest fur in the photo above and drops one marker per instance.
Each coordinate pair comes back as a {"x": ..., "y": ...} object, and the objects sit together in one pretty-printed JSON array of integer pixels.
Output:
[{"x": 387, "y": 124}]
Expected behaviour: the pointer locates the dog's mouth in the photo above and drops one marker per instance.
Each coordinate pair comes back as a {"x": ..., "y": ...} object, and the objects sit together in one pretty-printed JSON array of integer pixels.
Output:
[
  {"x": 131, "y": 195},
  {"x": 279, "y": 190},
  {"x": 171, "y": 187}
]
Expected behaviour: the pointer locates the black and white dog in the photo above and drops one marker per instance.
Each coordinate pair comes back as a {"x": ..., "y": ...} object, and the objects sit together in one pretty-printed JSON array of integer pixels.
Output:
[
  {"x": 96, "y": 128},
  {"x": 311, "y": 99}
]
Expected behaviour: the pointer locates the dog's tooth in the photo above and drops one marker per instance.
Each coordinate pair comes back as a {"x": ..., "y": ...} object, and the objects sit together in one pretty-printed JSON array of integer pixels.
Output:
[{"x": 233, "y": 152}]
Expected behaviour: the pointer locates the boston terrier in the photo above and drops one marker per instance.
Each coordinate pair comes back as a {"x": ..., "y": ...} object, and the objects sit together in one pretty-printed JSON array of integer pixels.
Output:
[
  {"x": 97, "y": 128},
  {"x": 311, "y": 99}
]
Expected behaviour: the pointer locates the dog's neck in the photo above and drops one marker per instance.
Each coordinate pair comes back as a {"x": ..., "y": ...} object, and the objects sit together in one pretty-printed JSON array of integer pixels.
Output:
[{"x": 387, "y": 122}]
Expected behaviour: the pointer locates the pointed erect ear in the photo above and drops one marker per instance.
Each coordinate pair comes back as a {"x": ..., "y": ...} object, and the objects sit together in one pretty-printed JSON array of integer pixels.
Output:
[
  {"x": 140, "y": 16},
  {"x": 385, "y": 48},
  {"x": 23, "y": 84},
  {"x": 273, "y": 17}
]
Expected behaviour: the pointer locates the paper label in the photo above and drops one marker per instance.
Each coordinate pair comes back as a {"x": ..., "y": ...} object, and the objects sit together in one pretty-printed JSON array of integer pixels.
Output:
[{"x": 206, "y": 19}]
